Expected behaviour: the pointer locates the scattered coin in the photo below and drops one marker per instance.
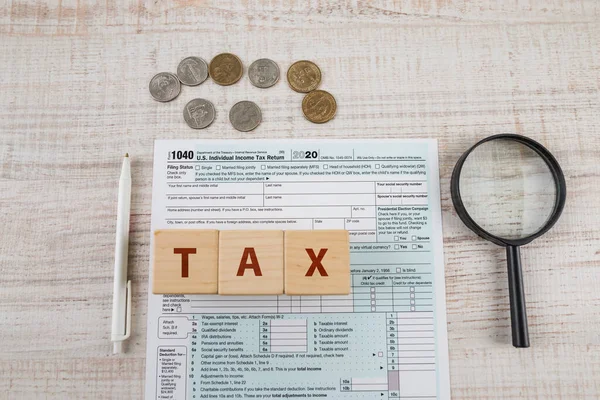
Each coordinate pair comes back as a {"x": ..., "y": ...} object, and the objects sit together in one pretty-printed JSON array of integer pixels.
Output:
[
  {"x": 164, "y": 86},
  {"x": 245, "y": 116},
  {"x": 319, "y": 106},
  {"x": 192, "y": 71},
  {"x": 304, "y": 76},
  {"x": 199, "y": 113},
  {"x": 263, "y": 73},
  {"x": 226, "y": 69}
]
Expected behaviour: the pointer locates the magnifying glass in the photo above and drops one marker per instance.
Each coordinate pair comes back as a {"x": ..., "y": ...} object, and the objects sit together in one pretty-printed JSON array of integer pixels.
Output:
[{"x": 509, "y": 190}]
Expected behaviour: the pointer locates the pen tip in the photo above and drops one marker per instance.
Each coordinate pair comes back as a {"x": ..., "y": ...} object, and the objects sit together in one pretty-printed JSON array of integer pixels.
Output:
[{"x": 126, "y": 154}]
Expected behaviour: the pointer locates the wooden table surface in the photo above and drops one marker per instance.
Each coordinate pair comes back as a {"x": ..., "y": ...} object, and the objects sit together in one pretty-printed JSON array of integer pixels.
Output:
[{"x": 74, "y": 98}]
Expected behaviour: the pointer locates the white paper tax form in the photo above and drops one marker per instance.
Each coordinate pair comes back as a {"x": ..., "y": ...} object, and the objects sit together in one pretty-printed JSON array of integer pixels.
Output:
[{"x": 386, "y": 340}]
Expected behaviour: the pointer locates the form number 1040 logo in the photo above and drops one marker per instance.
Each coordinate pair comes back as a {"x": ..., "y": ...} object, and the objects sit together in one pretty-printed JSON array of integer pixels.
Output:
[{"x": 180, "y": 155}]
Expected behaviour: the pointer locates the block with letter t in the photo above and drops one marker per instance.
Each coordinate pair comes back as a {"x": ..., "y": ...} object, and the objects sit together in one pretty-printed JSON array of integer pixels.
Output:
[
  {"x": 251, "y": 262},
  {"x": 185, "y": 261},
  {"x": 317, "y": 262}
]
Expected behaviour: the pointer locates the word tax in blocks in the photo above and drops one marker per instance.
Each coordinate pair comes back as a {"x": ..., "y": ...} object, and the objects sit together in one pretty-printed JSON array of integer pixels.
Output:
[{"x": 251, "y": 262}]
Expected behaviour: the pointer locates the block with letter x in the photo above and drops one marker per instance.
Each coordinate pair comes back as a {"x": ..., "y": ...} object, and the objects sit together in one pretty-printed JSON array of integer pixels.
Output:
[
  {"x": 317, "y": 262},
  {"x": 251, "y": 262},
  {"x": 185, "y": 261}
]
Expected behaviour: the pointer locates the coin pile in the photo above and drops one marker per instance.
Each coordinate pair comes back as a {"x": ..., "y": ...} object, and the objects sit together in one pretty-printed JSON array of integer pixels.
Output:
[
  {"x": 226, "y": 69},
  {"x": 318, "y": 106}
]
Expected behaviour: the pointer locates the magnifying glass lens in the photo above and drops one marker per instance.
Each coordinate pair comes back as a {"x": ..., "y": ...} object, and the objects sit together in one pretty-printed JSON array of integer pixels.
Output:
[{"x": 507, "y": 189}]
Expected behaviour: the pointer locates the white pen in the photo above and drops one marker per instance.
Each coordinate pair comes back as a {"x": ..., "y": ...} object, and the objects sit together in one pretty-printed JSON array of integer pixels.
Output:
[{"x": 121, "y": 313}]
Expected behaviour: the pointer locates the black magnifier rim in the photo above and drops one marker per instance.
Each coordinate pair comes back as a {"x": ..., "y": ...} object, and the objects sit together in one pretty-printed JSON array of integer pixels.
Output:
[{"x": 555, "y": 170}]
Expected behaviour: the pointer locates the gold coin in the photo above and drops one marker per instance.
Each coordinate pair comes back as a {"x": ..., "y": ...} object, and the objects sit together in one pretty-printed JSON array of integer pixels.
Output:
[
  {"x": 304, "y": 76},
  {"x": 226, "y": 69},
  {"x": 319, "y": 106}
]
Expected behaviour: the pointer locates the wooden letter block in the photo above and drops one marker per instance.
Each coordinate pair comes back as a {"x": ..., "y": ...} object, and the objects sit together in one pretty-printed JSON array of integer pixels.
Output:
[
  {"x": 251, "y": 262},
  {"x": 185, "y": 261},
  {"x": 317, "y": 262}
]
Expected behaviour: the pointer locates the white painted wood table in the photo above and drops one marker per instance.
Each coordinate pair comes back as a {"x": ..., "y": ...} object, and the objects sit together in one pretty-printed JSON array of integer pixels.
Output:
[{"x": 74, "y": 97}]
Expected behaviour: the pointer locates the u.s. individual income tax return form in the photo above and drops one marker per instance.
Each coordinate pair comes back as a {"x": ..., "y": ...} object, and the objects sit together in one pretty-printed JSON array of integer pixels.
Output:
[{"x": 387, "y": 339}]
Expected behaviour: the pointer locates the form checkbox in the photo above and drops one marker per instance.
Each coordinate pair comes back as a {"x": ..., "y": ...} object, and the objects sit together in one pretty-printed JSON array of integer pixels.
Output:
[
  {"x": 218, "y": 167},
  {"x": 325, "y": 166},
  {"x": 398, "y": 270},
  {"x": 396, "y": 247},
  {"x": 372, "y": 295},
  {"x": 414, "y": 246},
  {"x": 372, "y": 302},
  {"x": 263, "y": 167},
  {"x": 197, "y": 167},
  {"x": 372, "y": 289},
  {"x": 412, "y": 302},
  {"x": 414, "y": 238},
  {"x": 380, "y": 354},
  {"x": 372, "y": 308},
  {"x": 412, "y": 295},
  {"x": 396, "y": 238},
  {"x": 376, "y": 166},
  {"x": 412, "y": 308},
  {"x": 412, "y": 289}
]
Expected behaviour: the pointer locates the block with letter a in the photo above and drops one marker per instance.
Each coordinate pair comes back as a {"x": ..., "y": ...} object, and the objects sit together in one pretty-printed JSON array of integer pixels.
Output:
[
  {"x": 185, "y": 261},
  {"x": 317, "y": 262},
  {"x": 251, "y": 262}
]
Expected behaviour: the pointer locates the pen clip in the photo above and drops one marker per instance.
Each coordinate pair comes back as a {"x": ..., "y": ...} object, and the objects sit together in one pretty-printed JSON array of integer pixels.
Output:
[
  {"x": 128, "y": 322},
  {"x": 128, "y": 317}
]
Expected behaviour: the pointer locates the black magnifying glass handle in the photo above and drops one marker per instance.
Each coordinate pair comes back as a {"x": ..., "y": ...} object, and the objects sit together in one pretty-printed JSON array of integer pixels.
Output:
[{"x": 518, "y": 314}]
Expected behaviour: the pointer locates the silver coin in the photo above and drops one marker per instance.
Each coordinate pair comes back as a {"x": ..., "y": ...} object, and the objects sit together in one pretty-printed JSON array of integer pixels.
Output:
[
  {"x": 164, "y": 86},
  {"x": 263, "y": 73},
  {"x": 199, "y": 113},
  {"x": 245, "y": 116},
  {"x": 192, "y": 71}
]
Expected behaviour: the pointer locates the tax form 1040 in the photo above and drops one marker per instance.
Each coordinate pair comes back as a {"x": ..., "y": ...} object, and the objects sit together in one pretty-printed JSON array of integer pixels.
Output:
[{"x": 387, "y": 339}]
